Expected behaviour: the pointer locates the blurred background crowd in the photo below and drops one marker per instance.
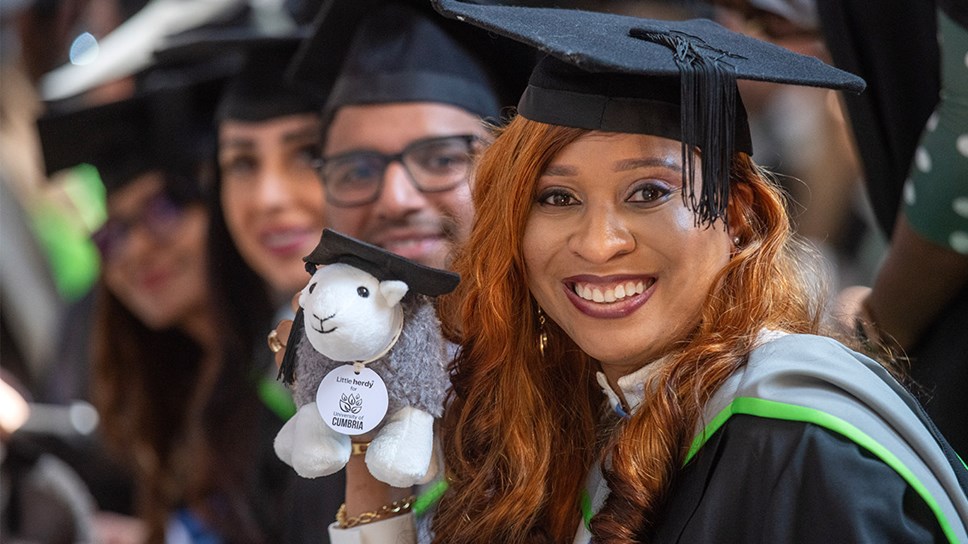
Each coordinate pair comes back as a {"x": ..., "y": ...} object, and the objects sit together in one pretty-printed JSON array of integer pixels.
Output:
[{"x": 158, "y": 193}]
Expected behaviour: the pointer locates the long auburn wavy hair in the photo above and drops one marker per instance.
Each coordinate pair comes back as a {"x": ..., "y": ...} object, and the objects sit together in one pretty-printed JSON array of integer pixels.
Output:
[{"x": 522, "y": 430}]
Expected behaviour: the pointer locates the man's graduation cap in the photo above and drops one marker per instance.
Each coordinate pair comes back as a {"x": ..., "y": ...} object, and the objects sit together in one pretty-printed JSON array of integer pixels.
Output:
[
  {"x": 675, "y": 79},
  {"x": 335, "y": 247},
  {"x": 262, "y": 46},
  {"x": 167, "y": 129},
  {"x": 378, "y": 52}
]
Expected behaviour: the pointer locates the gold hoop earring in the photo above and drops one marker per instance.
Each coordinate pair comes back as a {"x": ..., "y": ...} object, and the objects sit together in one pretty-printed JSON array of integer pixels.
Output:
[{"x": 542, "y": 335}]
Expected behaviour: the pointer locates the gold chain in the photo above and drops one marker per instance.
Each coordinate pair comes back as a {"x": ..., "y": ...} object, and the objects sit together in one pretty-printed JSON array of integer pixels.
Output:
[{"x": 393, "y": 509}]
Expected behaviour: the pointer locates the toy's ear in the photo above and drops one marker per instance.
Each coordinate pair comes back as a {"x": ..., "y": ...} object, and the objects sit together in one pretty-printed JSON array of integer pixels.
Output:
[
  {"x": 304, "y": 294},
  {"x": 393, "y": 291}
]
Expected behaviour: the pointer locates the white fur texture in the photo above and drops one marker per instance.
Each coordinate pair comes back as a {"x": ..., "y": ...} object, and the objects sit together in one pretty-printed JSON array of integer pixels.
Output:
[
  {"x": 401, "y": 452},
  {"x": 309, "y": 446},
  {"x": 414, "y": 371},
  {"x": 349, "y": 314}
]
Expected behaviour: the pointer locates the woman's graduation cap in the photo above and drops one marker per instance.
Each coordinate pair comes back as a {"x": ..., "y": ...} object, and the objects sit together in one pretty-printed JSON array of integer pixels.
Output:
[
  {"x": 378, "y": 52},
  {"x": 675, "y": 79},
  {"x": 262, "y": 45},
  {"x": 167, "y": 129}
]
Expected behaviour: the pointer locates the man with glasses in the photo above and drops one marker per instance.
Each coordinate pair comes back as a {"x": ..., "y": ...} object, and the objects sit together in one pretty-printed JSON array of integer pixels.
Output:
[
  {"x": 408, "y": 93},
  {"x": 403, "y": 119}
]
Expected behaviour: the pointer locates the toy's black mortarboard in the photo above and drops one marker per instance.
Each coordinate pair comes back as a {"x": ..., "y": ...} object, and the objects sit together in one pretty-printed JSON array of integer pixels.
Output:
[
  {"x": 378, "y": 52},
  {"x": 168, "y": 129},
  {"x": 259, "y": 90},
  {"x": 675, "y": 79},
  {"x": 335, "y": 247}
]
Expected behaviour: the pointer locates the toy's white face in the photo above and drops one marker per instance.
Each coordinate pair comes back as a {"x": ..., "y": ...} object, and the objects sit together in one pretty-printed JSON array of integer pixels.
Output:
[{"x": 349, "y": 314}]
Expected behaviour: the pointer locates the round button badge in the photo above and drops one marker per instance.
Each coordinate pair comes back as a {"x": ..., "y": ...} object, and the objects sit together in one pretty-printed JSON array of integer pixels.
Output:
[{"x": 352, "y": 403}]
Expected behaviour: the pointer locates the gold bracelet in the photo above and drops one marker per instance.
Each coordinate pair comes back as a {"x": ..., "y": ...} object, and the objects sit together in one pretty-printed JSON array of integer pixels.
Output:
[
  {"x": 393, "y": 509},
  {"x": 359, "y": 448}
]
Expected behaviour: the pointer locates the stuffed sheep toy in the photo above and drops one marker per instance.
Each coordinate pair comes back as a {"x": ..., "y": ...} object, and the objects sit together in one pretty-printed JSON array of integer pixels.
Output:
[{"x": 365, "y": 353}]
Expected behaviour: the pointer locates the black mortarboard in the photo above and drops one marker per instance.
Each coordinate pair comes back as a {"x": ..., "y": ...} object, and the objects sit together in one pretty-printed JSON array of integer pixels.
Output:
[
  {"x": 334, "y": 247},
  {"x": 617, "y": 73},
  {"x": 168, "y": 129},
  {"x": 259, "y": 90},
  {"x": 377, "y": 52}
]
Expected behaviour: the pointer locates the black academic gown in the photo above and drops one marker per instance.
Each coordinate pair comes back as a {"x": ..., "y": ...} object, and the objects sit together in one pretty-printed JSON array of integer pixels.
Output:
[
  {"x": 769, "y": 480},
  {"x": 812, "y": 442}
]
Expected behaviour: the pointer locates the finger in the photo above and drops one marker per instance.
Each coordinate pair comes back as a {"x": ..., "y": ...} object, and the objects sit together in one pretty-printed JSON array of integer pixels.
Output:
[{"x": 282, "y": 333}]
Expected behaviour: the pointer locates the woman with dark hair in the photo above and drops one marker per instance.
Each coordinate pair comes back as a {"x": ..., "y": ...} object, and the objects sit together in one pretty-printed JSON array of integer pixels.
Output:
[
  {"x": 266, "y": 207},
  {"x": 642, "y": 357},
  {"x": 153, "y": 347}
]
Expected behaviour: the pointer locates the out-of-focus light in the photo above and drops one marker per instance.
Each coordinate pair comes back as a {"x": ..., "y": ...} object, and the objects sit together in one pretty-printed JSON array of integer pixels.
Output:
[
  {"x": 13, "y": 408},
  {"x": 84, "y": 417},
  {"x": 84, "y": 49}
]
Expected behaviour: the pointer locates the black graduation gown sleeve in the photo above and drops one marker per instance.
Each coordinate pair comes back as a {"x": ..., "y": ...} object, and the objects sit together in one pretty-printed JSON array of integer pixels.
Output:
[{"x": 768, "y": 480}]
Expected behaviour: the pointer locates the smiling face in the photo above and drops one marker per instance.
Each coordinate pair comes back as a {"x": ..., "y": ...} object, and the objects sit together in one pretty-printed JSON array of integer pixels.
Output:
[
  {"x": 157, "y": 266},
  {"x": 613, "y": 254},
  {"x": 423, "y": 227},
  {"x": 271, "y": 197}
]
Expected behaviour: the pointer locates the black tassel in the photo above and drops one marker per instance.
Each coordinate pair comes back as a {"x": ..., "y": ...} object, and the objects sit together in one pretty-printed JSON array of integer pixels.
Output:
[
  {"x": 707, "y": 118},
  {"x": 287, "y": 370}
]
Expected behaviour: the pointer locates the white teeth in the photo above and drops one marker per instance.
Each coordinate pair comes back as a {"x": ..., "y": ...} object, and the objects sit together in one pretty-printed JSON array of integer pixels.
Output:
[{"x": 619, "y": 292}]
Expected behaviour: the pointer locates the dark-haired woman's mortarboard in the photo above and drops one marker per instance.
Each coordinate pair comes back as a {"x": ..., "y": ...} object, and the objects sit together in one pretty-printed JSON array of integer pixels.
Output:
[
  {"x": 262, "y": 45},
  {"x": 378, "y": 52},
  {"x": 675, "y": 79},
  {"x": 335, "y": 247},
  {"x": 168, "y": 129}
]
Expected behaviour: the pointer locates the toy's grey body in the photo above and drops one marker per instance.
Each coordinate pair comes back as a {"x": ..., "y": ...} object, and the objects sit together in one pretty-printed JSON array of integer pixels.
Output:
[
  {"x": 352, "y": 316},
  {"x": 415, "y": 370}
]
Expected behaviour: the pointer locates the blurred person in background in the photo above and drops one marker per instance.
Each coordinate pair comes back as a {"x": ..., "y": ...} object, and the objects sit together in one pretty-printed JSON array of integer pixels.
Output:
[
  {"x": 267, "y": 210},
  {"x": 912, "y": 131},
  {"x": 803, "y": 136},
  {"x": 153, "y": 348},
  {"x": 45, "y": 225}
]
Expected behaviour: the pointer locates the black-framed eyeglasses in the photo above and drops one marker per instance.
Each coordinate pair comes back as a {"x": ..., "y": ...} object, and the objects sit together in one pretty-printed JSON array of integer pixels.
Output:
[
  {"x": 160, "y": 216},
  {"x": 434, "y": 165}
]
